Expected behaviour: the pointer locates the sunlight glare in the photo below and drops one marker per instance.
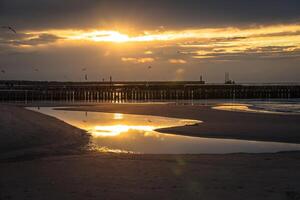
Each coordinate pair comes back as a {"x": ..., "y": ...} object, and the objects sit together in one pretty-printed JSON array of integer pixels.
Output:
[{"x": 115, "y": 130}]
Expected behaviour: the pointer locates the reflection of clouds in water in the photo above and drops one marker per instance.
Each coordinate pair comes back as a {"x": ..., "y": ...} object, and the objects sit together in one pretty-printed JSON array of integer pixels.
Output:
[
  {"x": 115, "y": 130},
  {"x": 234, "y": 107},
  {"x": 288, "y": 107},
  {"x": 259, "y": 107},
  {"x": 135, "y": 141}
]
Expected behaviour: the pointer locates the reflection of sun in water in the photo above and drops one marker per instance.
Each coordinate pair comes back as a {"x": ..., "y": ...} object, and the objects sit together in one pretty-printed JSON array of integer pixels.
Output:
[
  {"x": 242, "y": 107},
  {"x": 115, "y": 130}
]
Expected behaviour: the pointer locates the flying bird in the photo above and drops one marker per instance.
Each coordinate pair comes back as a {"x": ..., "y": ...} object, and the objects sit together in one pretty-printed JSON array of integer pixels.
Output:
[
  {"x": 9, "y": 28},
  {"x": 149, "y": 67},
  {"x": 3, "y": 71}
]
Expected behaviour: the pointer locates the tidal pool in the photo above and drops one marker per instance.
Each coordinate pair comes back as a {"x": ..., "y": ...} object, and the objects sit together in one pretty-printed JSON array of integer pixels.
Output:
[
  {"x": 117, "y": 132},
  {"x": 272, "y": 107}
]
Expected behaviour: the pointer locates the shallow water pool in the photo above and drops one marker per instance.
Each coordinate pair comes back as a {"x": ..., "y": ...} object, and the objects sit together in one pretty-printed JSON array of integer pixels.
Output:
[{"x": 117, "y": 132}]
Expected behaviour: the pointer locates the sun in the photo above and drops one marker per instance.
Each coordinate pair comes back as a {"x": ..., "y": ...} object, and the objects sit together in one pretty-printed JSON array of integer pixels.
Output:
[
  {"x": 104, "y": 36},
  {"x": 98, "y": 36},
  {"x": 109, "y": 36}
]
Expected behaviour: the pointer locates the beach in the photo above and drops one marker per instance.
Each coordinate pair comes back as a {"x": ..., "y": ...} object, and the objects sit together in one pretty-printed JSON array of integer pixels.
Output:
[{"x": 43, "y": 158}]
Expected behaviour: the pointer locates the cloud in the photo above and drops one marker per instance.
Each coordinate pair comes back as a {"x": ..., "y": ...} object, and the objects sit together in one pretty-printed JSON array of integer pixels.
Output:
[
  {"x": 28, "y": 39},
  {"x": 180, "y": 71},
  {"x": 179, "y": 74},
  {"x": 174, "y": 46},
  {"x": 148, "y": 52},
  {"x": 177, "y": 61},
  {"x": 137, "y": 60},
  {"x": 108, "y": 35},
  {"x": 32, "y": 14}
]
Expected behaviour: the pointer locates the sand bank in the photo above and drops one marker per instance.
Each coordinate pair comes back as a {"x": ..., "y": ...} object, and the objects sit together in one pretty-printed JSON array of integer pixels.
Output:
[{"x": 25, "y": 132}]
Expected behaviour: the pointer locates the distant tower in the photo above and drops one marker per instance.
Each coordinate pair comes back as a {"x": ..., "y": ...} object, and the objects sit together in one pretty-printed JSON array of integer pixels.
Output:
[{"x": 227, "y": 79}]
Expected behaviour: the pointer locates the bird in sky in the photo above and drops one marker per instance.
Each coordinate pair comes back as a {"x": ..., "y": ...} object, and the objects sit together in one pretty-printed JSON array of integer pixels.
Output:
[
  {"x": 3, "y": 71},
  {"x": 9, "y": 28},
  {"x": 149, "y": 67}
]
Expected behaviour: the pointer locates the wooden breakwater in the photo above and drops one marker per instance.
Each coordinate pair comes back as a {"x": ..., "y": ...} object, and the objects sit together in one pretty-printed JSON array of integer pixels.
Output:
[{"x": 27, "y": 91}]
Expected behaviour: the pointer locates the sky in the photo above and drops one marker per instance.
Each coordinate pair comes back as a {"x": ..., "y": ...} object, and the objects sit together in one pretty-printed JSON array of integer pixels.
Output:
[{"x": 255, "y": 41}]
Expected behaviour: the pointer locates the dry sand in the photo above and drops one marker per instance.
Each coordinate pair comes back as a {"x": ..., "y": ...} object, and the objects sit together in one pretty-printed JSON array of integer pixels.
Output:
[{"x": 126, "y": 176}]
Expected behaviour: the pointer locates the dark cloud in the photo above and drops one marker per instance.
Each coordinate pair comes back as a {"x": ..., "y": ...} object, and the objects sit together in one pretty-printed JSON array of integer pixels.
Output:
[
  {"x": 56, "y": 61},
  {"x": 27, "y": 39},
  {"x": 31, "y": 14},
  {"x": 38, "y": 40},
  {"x": 259, "y": 53}
]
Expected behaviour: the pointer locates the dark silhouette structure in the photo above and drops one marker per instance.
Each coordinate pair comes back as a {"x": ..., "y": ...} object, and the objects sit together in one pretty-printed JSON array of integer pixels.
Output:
[{"x": 146, "y": 91}]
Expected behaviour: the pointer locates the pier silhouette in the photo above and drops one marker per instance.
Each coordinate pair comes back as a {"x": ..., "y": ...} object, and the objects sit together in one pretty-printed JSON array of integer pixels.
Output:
[{"x": 141, "y": 91}]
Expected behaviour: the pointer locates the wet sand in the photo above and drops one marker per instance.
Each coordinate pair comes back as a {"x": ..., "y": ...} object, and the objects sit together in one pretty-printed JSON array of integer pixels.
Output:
[
  {"x": 68, "y": 173},
  {"x": 113, "y": 176},
  {"x": 24, "y": 132}
]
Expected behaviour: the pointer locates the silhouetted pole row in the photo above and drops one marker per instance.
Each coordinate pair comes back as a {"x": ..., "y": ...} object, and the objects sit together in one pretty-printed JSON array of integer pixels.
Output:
[{"x": 139, "y": 91}]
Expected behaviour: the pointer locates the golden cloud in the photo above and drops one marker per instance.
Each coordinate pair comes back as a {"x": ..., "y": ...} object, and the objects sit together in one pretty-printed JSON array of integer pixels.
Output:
[
  {"x": 148, "y": 52},
  {"x": 137, "y": 60},
  {"x": 193, "y": 43},
  {"x": 177, "y": 61}
]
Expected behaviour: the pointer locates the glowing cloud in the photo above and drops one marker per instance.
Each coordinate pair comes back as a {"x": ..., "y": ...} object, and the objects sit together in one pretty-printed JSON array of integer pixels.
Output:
[
  {"x": 148, "y": 52},
  {"x": 230, "y": 42},
  {"x": 177, "y": 61},
  {"x": 137, "y": 60}
]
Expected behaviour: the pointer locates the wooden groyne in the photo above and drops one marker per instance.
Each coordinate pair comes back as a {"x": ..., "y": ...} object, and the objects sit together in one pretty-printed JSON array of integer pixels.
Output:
[{"x": 26, "y": 91}]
